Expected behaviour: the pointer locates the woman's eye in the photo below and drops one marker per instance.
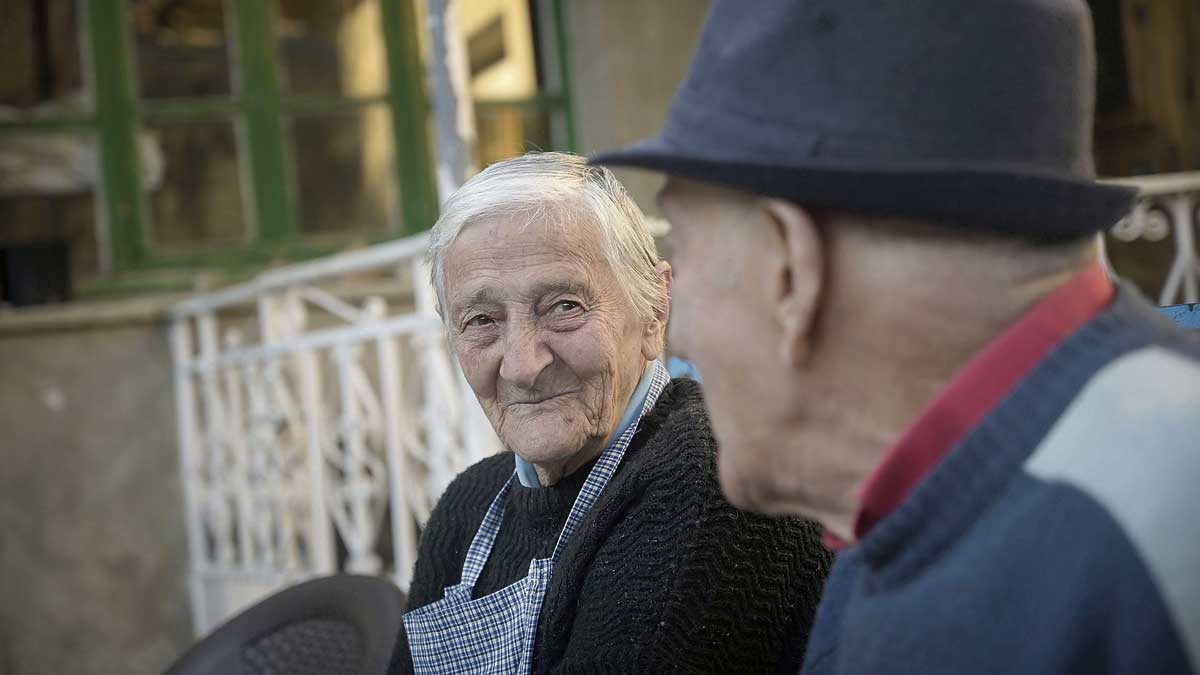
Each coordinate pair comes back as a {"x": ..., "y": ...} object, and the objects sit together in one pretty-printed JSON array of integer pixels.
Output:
[
  {"x": 478, "y": 321},
  {"x": 566, "y": 306}
]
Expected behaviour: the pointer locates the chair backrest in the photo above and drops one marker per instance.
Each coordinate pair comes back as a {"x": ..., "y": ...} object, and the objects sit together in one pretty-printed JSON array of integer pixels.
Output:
[{"x": 337, "y": 625}]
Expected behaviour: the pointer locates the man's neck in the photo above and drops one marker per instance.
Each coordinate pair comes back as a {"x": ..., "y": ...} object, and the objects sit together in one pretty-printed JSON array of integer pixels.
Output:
[{"x": 886, "y": 371}]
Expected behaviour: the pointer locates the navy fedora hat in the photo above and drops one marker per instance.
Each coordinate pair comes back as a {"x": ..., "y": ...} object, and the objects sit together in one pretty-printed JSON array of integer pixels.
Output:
[{"x": 973, "y": 112}]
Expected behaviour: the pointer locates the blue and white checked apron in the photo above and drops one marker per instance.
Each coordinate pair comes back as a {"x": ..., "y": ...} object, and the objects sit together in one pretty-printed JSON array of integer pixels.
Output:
[{"x": 494, "y": 634}]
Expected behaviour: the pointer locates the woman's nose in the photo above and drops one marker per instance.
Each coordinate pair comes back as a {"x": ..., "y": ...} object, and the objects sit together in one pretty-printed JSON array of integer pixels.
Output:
[{"x": 526, "y": 355}]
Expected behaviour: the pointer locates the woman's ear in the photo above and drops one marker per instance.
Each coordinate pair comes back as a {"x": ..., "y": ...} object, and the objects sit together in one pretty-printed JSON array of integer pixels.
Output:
[
  {"x": 800, "y": 280},
  {"x": 655, "y": 333}
]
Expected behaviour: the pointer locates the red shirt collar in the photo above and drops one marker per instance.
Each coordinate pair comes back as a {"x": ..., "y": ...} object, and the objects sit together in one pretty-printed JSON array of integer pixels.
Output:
[{"x": 974, "y": 391}]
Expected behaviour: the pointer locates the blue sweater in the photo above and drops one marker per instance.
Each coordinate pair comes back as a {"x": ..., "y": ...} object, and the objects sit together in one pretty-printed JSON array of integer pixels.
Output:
[{"x": 1060, "y": 536}]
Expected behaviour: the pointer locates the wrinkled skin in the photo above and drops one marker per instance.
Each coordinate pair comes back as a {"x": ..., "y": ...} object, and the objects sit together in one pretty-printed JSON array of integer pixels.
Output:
[{"x": 547, "y": 339}]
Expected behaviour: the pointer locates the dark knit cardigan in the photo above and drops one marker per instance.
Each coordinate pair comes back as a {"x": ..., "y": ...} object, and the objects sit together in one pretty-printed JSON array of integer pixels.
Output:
[{"x": 663, "y": 575}]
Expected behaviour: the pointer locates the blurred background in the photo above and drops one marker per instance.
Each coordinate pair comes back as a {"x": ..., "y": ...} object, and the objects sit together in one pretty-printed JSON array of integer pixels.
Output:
[{"x": 220, "y": 371}]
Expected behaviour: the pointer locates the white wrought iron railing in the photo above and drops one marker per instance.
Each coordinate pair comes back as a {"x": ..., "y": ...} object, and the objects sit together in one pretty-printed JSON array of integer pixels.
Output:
[
  {"x": 1168, "y": 206},
  {"x": 309, "y": 418}
]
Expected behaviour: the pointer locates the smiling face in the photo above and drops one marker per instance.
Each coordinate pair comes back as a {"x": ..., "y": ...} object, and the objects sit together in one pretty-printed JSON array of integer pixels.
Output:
[{"x": 546, "y": 337}]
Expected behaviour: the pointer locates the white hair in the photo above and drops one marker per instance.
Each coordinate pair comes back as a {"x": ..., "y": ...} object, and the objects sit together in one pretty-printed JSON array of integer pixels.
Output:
[{"x": 564, "y": 189}]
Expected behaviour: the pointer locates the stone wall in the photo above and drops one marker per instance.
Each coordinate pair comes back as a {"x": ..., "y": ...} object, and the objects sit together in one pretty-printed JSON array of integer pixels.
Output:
[
  {"x": 93, "y": 552},
  {"x": 627, "y": 58}
]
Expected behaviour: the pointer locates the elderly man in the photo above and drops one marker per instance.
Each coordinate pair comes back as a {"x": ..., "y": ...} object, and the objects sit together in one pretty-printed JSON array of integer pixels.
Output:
[
  {"x": 608, "y": 546},
  {"x": 884, "y": 218}
]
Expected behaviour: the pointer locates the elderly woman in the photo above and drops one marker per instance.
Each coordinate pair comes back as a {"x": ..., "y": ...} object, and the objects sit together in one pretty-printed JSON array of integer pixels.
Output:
[{"x": 600, "y": 541}]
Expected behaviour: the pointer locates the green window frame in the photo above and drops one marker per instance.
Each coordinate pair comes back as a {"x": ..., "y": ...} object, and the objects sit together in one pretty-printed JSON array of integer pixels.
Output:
[{"x": 258, "y": 102}]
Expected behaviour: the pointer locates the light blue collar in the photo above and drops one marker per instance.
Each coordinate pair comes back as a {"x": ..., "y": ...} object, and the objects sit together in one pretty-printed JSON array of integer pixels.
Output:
[{"x": 525, "y": 471}]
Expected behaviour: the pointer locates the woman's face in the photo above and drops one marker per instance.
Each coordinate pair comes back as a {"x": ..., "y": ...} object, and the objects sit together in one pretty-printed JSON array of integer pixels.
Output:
[{"x": 547, "y": 340}]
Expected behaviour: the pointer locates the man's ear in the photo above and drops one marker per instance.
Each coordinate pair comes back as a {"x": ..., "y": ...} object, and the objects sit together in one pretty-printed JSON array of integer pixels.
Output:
[
  {"x": 800, "y": 280},
  {"x": 655, "y": 332}
]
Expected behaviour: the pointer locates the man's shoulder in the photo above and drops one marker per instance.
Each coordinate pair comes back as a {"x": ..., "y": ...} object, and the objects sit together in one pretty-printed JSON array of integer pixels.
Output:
[
  {"x": 1133, "y": 423},
  {"x": 1131, "y": 420},
  {"x": 1129, "y": 442}
]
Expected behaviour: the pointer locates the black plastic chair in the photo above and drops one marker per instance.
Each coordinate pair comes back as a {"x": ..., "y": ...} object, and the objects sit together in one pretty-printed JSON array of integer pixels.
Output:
[{"x": 338, "y": 625}]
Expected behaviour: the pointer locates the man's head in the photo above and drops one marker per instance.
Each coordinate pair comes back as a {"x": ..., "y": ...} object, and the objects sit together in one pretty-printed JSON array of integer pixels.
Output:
[
  {"x": 861, "y": 195},
  {"x": 817, "y": 331},
  {"x": 554, "y": 300}
]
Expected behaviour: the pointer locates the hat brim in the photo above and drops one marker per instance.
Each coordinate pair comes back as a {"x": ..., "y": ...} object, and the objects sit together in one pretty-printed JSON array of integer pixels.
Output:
[{"x": 1007, "y": 199}]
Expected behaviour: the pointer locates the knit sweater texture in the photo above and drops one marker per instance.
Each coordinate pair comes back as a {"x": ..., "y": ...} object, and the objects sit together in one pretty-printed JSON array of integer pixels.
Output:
[
  {"x": 663, "y": 575},
  {"x": 1059, "y": 536}
]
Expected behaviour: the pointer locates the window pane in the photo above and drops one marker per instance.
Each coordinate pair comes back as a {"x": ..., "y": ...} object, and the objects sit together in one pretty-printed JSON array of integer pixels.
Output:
[
  {"x": 333, "y": 47},
  {"x": 500, "y": 49},
  {"x": 41, "y": 57},
  {"x": 47, "y": 208},
  {"x": 509, "y": 118},
  {"x": 197, "y": 197},
  {"x": 344, "y": 170},
  {"x": 181, "y": 47},
  {"x": 509, "y": 129}
]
